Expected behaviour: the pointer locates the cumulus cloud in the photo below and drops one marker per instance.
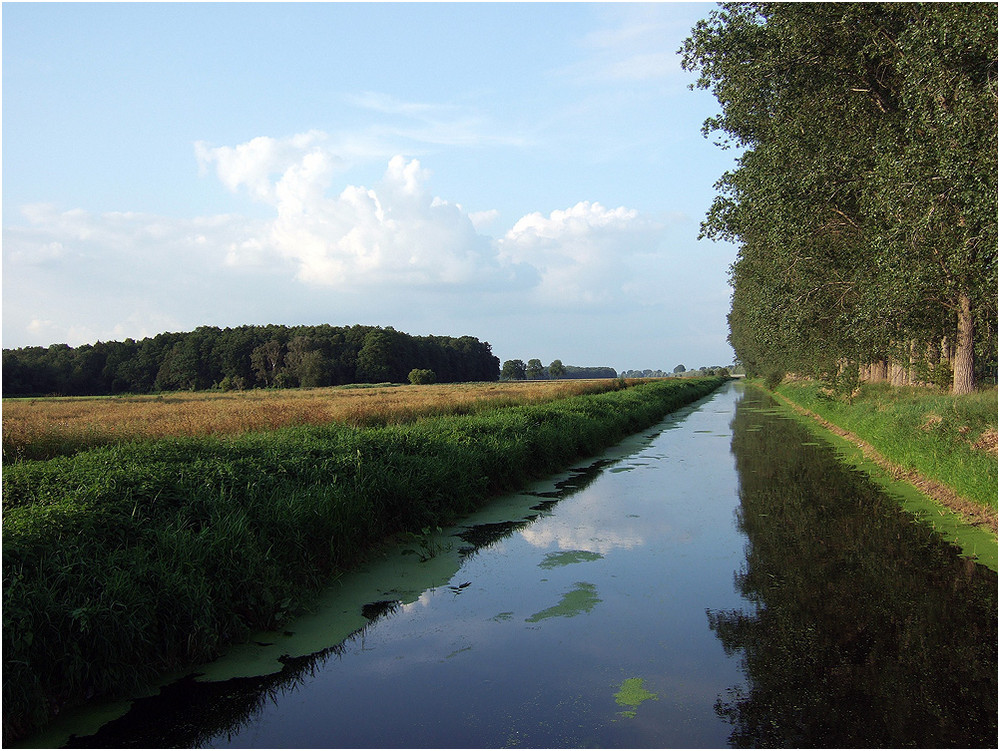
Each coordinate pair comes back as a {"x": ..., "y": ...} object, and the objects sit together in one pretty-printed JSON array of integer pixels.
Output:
[
  {"x": 254, "y": 164},
  {"x": 396, "y": 232},
  {"x": 584, "y": 253},
  {"x": 374, "y": 253}
]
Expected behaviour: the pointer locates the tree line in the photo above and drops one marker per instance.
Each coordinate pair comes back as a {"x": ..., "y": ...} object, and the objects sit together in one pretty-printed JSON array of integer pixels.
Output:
[
  {"x": 864, "y": 202},
  {"x": 533, "y": 370},
  {"x": 245, "y": 357},
  {"x": 678, "y": 372}
]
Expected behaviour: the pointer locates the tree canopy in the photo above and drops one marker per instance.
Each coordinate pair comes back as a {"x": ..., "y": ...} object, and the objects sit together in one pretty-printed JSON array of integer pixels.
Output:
[
  {"x": 245, "y": 357},
  {"x": 864, "y": 202}
]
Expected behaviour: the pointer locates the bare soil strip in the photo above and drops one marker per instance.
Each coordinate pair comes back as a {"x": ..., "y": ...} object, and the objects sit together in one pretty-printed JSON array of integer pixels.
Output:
[{"x": 973, "y": 513}]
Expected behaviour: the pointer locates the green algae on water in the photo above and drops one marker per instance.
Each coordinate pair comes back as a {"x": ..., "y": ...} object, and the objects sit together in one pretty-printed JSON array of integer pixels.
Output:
[
  {"x": 576, "y": 601},
  {"x": 565, "y": 558},
  {"x": 631, "y": 694}
]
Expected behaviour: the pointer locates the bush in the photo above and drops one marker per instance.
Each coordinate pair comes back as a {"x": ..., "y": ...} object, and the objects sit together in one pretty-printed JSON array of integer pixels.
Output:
[{"x": 418, "y": 376}]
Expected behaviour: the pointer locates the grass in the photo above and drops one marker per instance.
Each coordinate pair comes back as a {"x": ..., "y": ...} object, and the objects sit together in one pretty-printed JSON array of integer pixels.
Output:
[
  {"x": 949, "y": 439},
  {"x": 132, "y": 559},
  {"x": 44, "y": 428}
]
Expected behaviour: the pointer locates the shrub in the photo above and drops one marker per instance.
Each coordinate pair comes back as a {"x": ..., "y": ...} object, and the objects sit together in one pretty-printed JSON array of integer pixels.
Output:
[{"x": 422, "y": 376}]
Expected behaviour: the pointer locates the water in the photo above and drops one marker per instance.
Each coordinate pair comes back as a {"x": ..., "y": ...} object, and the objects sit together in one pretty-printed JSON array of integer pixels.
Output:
[{"x": 719, "y": 580}]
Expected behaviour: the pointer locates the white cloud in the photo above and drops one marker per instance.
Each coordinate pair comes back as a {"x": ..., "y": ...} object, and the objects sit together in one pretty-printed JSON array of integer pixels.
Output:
[
  {"x": 396, "y": 233},
  {"x": 389, "y": 105},
  {"x": 252, "y": 165},
  {"x": 483, "y": 219},
  {"x": 387, "y": 254},
  {"x": 116, "y": 274},
  {"x": 582, "y": 253},
  {"x": 424, "y": 123}
]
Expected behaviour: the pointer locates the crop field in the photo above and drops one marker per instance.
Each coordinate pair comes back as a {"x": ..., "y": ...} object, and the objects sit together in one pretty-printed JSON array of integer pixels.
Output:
[{"x": 44, "y": 428}]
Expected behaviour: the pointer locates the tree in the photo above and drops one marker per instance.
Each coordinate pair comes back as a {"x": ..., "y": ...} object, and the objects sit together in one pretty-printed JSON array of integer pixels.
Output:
[
  {"x": 513, "y": 370},
  {"x": 375, "y": 359},
  {"x": 680, "y": 369},
  {"x": 268, "y": 361},
  {"x": 419, "y": 376},
  {"x": 306, "y": 362},
  {"x": 534, "y": 369},
  {"x": 864, "y": 202},
  {"x": 556, "y": 369}
]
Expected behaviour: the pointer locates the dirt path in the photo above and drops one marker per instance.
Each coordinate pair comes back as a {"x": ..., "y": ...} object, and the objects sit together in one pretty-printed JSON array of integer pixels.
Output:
[{"x": 973, "y": 513}]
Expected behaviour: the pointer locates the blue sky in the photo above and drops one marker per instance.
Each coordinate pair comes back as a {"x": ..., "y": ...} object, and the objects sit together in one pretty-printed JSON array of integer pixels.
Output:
[{"x": 530, "y": 174}]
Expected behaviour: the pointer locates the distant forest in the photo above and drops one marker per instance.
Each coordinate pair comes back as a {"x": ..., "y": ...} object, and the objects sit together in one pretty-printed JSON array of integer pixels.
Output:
[{"x": 244, "y": 357}]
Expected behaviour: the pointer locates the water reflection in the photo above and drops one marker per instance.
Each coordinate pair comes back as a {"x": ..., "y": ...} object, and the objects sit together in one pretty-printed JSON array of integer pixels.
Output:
[{"x": 867, "y": 630}]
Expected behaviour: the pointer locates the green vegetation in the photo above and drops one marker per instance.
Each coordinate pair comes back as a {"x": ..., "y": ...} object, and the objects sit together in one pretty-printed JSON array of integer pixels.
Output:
[
  {"x": 513, "y": 370},
  {"x": 422, "y": 376},
  {"x": 631, "y": 694},
  {"x": 581, "y": 599},
  {"x": 130, "y": 560},
  {"x": 947, "y": 438},
  {"x": 865, "y": 198},
  {"x": 245, "y": 357},
  {"x": 679, "y": 372},
  {"x": 517, "y": 370}
]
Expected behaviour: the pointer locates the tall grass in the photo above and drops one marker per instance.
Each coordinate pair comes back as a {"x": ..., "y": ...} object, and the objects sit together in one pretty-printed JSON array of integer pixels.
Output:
[
  {"x": 132, "y": 559},
  {"x": 951, "y": 439},
  {"x": 43, "y": 428}
]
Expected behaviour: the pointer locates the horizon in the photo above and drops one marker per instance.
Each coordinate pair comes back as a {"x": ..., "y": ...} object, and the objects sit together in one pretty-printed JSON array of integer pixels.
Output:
[{"x": 530, "y": 175}]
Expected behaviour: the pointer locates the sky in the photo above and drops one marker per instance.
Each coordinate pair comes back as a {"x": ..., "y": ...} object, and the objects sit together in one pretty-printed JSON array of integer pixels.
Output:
[{"x": 533, "y": 175}]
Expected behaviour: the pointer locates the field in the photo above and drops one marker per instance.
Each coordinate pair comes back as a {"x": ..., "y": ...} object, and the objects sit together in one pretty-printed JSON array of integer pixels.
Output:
[{"x": 43, "y": 428}]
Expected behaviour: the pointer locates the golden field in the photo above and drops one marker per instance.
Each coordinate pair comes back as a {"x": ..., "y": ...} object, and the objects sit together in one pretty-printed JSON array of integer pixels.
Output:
[{"x": 37, "y": 428}]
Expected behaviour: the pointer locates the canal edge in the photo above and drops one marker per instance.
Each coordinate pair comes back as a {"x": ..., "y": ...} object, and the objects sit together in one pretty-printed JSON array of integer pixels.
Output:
[{"x": 968, "y": 517}]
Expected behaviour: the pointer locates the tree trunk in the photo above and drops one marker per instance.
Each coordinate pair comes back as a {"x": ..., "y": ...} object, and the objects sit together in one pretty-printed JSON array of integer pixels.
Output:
[
  {"x": 964, "y": 379},
  {"x": 946, "y": 351},
  {"x": 880, "y": 371},
  {"x": 897, "y": 373}
]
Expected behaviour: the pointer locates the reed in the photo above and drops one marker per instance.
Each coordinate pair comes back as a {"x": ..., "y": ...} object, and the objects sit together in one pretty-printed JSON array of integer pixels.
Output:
[{"x": 129, "y": 560}]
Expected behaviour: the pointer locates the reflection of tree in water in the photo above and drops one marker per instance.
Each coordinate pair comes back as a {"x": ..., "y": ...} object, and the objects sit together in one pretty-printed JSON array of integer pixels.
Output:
[
  {"x": 868, "y": 630},
  {"x": 189, "y": 713}
]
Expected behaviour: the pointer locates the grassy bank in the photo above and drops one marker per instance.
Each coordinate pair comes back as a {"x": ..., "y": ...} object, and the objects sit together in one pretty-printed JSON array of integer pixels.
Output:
[
  {"x": 950, "y": 440},
  {"x": 127, "y": 561}
]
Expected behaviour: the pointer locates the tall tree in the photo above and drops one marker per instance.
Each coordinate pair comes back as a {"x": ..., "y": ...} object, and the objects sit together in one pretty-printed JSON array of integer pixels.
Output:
[
  {"x": 864, "y": 202},
  {"x": 514, "y": 370}
]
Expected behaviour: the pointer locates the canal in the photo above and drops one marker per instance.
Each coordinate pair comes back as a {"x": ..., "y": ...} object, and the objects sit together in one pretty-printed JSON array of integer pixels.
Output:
[{"x": 721, "y": 579}]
